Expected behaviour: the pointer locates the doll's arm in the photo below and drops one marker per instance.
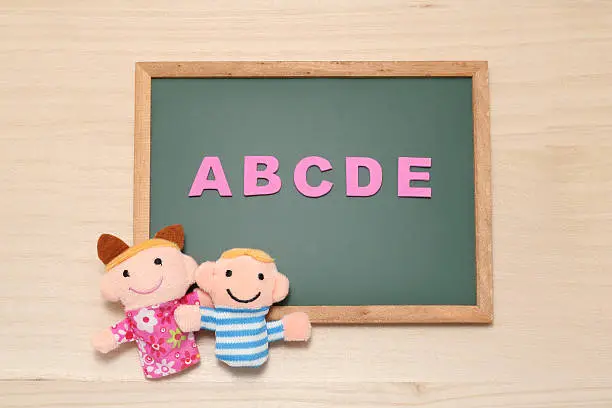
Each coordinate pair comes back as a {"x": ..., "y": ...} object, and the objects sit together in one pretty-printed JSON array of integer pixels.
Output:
[
  {"x": 276, "y": 331},
  {"x": 112, "y": 337},
  {"x": 197, "y": 297},
  {"x": 194, "y": 318},
  {"x": 295, "y": 327},
  {"x": 208, "y": 318},
  {"x": 204, "y": 298}
]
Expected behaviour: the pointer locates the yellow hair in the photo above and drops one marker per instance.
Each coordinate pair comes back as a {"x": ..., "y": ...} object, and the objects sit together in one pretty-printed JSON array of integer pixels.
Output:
[
  {"x": 130, "y": 252},
  {"x": 256, "y": 254}
]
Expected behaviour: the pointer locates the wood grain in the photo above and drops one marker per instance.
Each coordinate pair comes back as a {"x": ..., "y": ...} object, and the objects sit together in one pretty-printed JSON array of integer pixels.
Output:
[
  {"x": 386, "y": 314},
  {"x": 297, "y": 69},
  {"x": 66, "y": 176},
  {"x": 482, "y": 194},
  {"x": 142, "y": 154},
  {"x": 308, "y": 394},
  {"x": 381, "y": 314}
]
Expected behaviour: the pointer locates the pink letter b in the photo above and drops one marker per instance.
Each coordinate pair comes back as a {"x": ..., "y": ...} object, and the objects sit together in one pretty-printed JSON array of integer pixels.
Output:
[{"x": 251, "y": 175}]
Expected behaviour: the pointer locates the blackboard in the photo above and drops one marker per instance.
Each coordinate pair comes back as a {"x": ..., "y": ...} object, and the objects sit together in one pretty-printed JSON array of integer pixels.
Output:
[{"x": 380, "y": 258}]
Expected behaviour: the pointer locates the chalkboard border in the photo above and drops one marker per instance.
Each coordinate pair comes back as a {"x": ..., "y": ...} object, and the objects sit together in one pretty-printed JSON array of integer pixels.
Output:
[{"x": 482, "y": 313}]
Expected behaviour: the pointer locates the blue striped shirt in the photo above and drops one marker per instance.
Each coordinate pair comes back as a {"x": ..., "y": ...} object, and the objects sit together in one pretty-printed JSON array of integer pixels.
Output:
[{"x": 242, "y": 335}]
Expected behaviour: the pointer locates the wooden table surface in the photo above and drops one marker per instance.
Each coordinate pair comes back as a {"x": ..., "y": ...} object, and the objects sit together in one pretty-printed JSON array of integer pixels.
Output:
[{"x": 66, "y": 128}]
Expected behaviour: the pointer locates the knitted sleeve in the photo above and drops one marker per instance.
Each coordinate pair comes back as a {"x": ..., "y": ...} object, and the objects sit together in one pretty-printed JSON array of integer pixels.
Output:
[
  {"x": 208, "y": 318},
  {"x": 275, "y": 330}
]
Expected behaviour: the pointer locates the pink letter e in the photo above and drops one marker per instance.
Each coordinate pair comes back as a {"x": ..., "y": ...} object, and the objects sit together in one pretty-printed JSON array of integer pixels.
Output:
[{"x": 404, "y": 176}]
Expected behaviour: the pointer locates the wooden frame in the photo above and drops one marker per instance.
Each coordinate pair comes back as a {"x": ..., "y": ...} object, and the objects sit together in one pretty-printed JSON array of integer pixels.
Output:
[{"x": 477, "y": 70}]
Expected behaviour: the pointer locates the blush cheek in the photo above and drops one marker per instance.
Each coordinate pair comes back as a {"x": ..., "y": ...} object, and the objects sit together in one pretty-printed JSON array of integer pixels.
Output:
[
  {"x": 176, "y": 279},
  {"x": 265, "y": 299},
  {"x": 126, "y": 295},
  {"x": 266, "y": 292},
  {"x": 108, "y": 288},
  {"x": 228, "y": 299},
  {"x": 219, "y": 296}
]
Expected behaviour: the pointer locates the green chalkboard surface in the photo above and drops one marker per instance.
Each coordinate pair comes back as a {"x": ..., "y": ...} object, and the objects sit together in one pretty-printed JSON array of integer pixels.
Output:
[{"x": 336, "y": 250}]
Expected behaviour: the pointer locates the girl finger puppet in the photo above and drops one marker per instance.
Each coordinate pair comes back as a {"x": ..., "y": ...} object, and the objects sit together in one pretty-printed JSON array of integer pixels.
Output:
[
  {"x": 150, "y": 280},
  {"x": 243, "y": 284}
]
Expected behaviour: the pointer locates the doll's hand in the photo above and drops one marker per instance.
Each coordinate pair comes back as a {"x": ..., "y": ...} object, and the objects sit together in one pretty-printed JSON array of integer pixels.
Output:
[
  {"x": 187, "y": 318},
  {"x": 104, "y": 341},
  {"x": 204, "y": 298},
  {"x": 296, "y": 326}
]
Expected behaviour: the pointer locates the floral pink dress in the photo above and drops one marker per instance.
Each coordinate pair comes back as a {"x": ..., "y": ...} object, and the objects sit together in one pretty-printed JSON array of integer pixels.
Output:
[{"x": 162, "y": 347}]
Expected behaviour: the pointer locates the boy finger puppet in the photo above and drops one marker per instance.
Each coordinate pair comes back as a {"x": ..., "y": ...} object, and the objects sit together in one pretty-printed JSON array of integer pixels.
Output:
[
  {"x": 150, "y": 280},
  {"x": 243, "y": 284}
]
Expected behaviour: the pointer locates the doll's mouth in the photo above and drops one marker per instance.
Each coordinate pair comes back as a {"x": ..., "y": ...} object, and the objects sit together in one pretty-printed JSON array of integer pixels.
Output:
[
  {"x": 229, "y": 292},
  {"x": 146, "y": 292}
]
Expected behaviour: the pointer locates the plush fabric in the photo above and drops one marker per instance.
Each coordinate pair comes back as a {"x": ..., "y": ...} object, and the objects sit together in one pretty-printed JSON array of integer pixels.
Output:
[
  {"x": 173, "y": 233},
  {"x": 112, "y": 250},
  {"x": 150, "y": 280},
  {"x": 109, "y": 247},
  {"x": 242, "y": 335},
  {"x": 256, "y": 254},
  {"x": 130, "y": 252},
  {"x": 163, "y": 348},
  {"x": 243, "y": 284},
  {"x": 297, "y": 327}
]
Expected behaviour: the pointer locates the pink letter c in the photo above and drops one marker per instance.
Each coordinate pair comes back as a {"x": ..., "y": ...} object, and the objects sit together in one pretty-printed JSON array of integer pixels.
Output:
[{"x": 299, "y": 176}]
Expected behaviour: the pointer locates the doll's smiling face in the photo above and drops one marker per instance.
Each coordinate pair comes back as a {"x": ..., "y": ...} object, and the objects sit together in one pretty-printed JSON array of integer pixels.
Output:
[
  {"x": 242, "y": 282},
  {"x": 150, "y": 277}
]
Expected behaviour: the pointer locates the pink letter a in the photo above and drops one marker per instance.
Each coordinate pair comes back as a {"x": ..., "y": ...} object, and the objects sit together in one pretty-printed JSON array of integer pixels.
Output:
[{"x": 201, "y": 181}]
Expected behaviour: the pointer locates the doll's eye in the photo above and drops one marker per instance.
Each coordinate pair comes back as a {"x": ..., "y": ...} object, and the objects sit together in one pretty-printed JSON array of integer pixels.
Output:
[
  {"x": 126, "y": 273},
  {"x": 228, "y": 273},
  {"x": 157, "y": 261},
  {"x": 260, "y": 276}
]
